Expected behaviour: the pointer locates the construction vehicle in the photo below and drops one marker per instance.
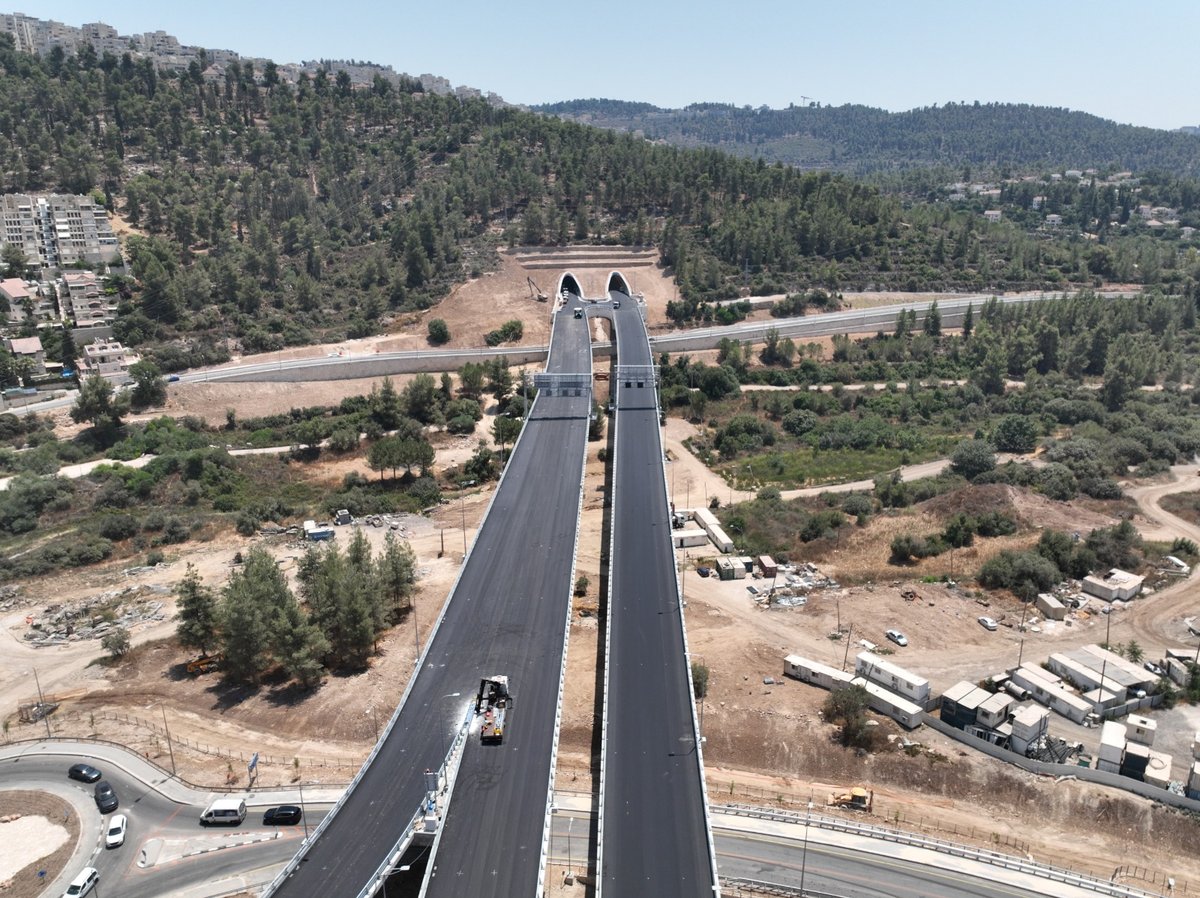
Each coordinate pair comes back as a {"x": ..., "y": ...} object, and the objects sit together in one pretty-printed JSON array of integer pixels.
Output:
[
  {"x": 857, "y": 799},
  {"x": 205, "y": 663},
  {"x": 493, "y": 702},
  {"x": 536, "y": 292}
]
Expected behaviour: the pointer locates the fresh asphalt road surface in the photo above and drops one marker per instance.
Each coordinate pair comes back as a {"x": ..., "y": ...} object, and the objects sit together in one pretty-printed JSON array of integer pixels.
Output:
[
  {"x": 505, "y": 616},
  {"x": 491, "y": 837},
  {"x": 654, "y": 838}
]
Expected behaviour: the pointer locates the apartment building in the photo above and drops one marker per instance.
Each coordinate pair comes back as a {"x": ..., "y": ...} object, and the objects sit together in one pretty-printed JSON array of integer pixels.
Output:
[{"x": 58, "y": 230}]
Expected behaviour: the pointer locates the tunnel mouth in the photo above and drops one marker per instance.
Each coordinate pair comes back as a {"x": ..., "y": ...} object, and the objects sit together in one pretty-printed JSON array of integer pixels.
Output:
[
  {"x": 569, "y": 283},
  {"x": 617, "y": 282}
]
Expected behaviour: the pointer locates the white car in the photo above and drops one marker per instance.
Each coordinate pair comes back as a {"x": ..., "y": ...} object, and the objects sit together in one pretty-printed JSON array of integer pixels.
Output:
[
  {"x": 115, "y": 837},
  {"x": 83, "y": 883},
  {"x": 897, "y": 637},
  {"x": 987, "y": 623}
]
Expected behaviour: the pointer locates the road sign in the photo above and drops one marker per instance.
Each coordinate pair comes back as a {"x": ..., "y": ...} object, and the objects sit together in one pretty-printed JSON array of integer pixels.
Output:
[{"x": 253, "y": 765}]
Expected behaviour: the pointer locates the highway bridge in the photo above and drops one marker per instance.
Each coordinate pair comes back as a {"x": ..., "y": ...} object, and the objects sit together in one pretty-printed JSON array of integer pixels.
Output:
[
  {"x": 507, "y": 614},
  {"x": 654, "y": 836}
]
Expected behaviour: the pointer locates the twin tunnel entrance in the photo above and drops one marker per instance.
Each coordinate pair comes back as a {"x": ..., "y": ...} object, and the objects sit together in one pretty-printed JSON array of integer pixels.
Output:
[{"x": 616, "y": 281}]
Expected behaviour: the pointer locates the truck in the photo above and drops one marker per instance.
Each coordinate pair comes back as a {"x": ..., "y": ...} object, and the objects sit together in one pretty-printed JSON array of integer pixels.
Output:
[{"x": 493, "y": 702}]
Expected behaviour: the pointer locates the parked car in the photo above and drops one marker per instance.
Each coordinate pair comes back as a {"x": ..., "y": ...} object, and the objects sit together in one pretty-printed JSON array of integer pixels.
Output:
[
  {"x": 115, "y": 837},
  {"x": 85, "y": 773},
  {"x": 703, "y": 571},
  {"x": 987, "y": 623},
  {"x": 173, "y": 379},
  {"x": 83, "y": 883},
  {"x": 284, "y": 815},
  {"x": 1154, "y": 669},
  {"x": 106, "y": 797},
  {"x": 897, "y": 637}
]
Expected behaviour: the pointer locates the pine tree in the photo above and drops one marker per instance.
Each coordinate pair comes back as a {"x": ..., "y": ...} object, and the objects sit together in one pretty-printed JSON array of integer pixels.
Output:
[
  {"x": 197, "y": 614},
  {"x": 299, "y": 645},
  {"x": 396, "y": 576}
]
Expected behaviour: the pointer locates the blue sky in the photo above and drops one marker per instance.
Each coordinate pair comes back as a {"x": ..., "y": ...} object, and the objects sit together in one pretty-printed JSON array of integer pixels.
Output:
[{"x": 1124, "y": 61}]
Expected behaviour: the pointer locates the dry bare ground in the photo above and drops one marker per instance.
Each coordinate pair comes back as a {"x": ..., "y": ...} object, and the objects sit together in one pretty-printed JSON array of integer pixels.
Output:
[
  {"x": 42, "y": 820},
  {"x": 766, "y": 743}
]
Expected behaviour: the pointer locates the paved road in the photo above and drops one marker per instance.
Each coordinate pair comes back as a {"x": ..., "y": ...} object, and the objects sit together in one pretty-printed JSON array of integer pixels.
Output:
[
  {"x": 491, "y": 839},
  {"x": 653, "y": 834},
  {"x": 505, "y": 616},
  {"x": 156, "y": 817}
]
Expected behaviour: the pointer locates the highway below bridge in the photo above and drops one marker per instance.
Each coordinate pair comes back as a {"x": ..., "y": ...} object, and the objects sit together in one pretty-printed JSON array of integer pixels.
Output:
[{"x": 507, "y": 614}]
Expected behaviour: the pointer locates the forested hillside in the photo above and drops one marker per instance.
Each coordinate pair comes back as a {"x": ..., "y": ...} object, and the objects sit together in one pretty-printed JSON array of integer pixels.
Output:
[
  {"x": 274, "y": 214},
  {"x": 862, "y": 139}
]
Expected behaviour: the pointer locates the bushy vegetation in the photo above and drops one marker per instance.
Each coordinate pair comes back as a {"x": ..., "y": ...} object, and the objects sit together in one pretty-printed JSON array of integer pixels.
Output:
[{"x": 1060, "y": 555}]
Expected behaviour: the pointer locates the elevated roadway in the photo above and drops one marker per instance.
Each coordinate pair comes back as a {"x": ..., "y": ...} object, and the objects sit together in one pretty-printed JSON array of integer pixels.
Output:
[
  {"x": 505, "y": 615},
  {"x": 490, "y": 842},
  {"x": 654, "y": 835}
]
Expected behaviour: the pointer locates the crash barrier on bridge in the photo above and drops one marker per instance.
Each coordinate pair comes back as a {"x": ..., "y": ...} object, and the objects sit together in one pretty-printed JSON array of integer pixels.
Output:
[
  {"x": 743, "y": 886},
  {"x": 607, "y": 656},
  {"x": 697, "y": 737},
  {"x": 547, "y": 825},
  {"x": 1045, "y": 768},
  {"x": 994, "y": 858},
  {"x": 294, "y": 863}
]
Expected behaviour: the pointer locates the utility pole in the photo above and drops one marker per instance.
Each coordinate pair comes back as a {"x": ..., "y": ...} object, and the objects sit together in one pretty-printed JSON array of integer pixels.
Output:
[
  {"x": 167, "y": 730},
  {"x": 42, "y": 703}
]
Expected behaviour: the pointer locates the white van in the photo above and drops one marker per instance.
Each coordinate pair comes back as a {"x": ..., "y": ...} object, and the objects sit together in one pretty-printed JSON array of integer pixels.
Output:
[{"x": 224, "y": 810}]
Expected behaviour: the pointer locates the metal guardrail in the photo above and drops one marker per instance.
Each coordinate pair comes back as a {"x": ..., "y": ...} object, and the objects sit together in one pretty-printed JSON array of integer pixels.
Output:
[
  {"x": 759, "y": 887},
  {"x": 697, "y": 736},
  {"x": 607, "y": 658},
  {"x": 995, "y": 858}
]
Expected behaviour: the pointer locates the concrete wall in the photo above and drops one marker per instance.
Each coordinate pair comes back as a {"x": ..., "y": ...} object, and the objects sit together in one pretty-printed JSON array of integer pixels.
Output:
[{"x": 1042, "y": 768}]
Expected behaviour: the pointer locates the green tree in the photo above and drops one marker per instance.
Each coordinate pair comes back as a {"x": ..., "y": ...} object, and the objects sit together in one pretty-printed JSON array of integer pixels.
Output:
[
  {"x": 14, "y": 259},
  {"x": 933, "y": 320},
  {"x": 699, "y": 679},
  {"x": 385, "y": 455},
  {"x": 396, "y": 572},
  {"x": 298, "y": 644},
  {"x": 848, "y": 709},
  {"x": 972, "y": 458},
  {"x": 149, "y": 388},
  {"x": 415, "y": 453},
  {"x": 1015, "y": 433},
  {"x": 197, "y": 614},
  {"x": 439, "y": 332},
  {"x": 505, "y": 431},
  {"x": 97, "y": 404},
  {"x": 421, "y": 400}
]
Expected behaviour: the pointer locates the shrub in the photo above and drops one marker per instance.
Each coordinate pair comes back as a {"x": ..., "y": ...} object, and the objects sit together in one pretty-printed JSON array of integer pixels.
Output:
[
  {"x": 439, "y": 332},
  {"x": 117, "y": 526}
]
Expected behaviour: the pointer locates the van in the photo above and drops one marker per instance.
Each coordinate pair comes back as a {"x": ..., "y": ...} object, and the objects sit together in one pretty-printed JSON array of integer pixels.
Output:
[
  {"x": 83, "y": 883},
  {"x": 224, "y": 810}
]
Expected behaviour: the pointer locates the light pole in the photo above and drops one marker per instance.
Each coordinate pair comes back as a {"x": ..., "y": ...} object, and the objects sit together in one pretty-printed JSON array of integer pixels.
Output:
[
  {"x": 462, "y": 507},
  {"x": 303, "y": 812},
  {"x": 412, "y": 605},
  {"x": 804, "y": 856},
  {"x": 42, "y": 703},
  {"x": 167, "y": 730}
]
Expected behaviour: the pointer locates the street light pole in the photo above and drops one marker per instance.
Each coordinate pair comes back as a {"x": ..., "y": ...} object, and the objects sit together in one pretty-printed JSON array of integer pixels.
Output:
[
  {"x": 412, "y": 606},
  {"x": 462, "y": 507},
  {"x": 42, "y": 703},
  {"x": 167, "y": 730},
  {"x": 303, "y": 812},
  {"x": 804, "y": 856}
]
